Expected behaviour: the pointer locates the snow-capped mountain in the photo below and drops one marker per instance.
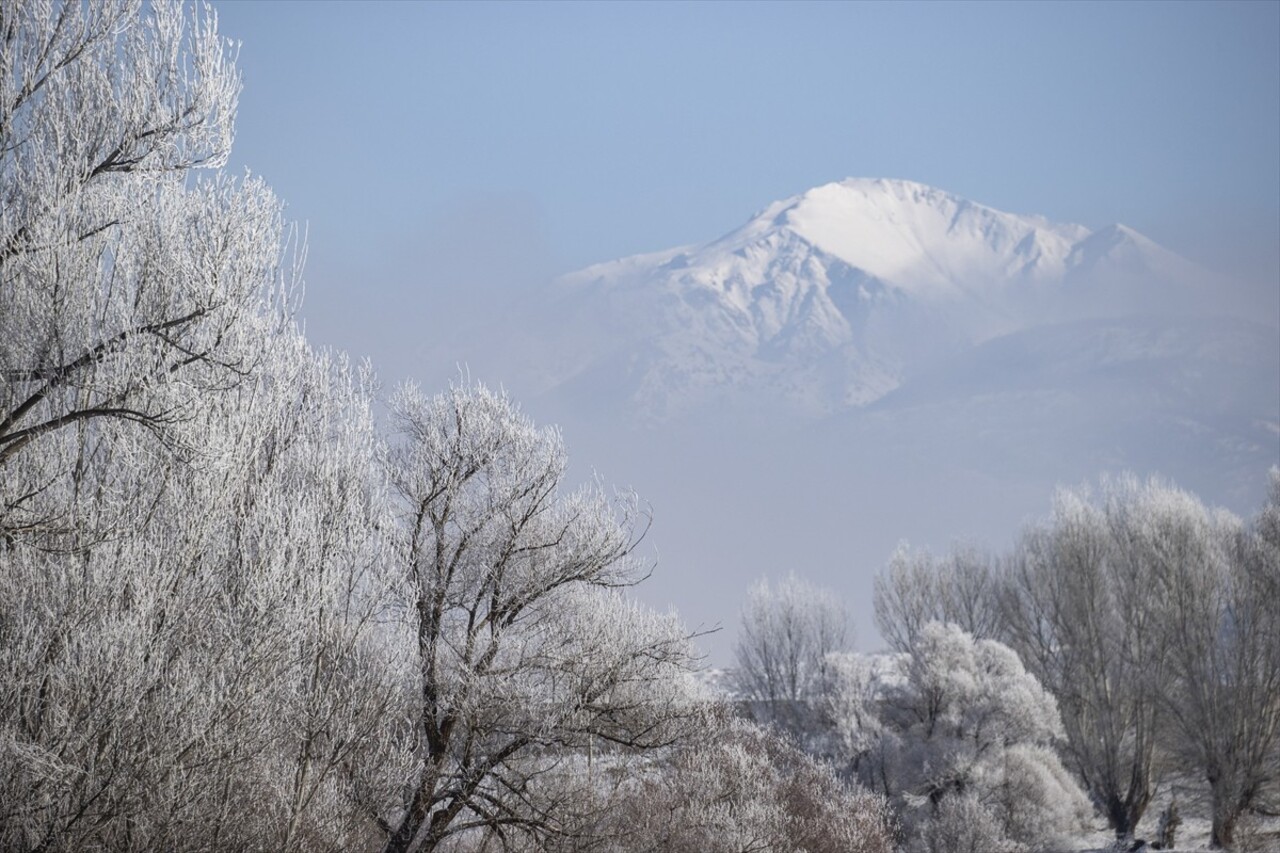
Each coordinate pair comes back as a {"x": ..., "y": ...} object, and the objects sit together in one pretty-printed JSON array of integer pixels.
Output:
[
  {"x": 877, "y": 360},
  {"x": 832, "y": 298}
]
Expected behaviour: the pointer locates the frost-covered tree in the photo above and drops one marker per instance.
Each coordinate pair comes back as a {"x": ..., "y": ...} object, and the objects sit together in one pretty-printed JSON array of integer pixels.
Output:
[
  {"x": 523, "y": 645},
  {"x": 212, "y": 678},
  {"x": 1153, "y": 621},
  {"x": 787, "y": 635},
  {"x": 850, "y": 711},
  {"x": 128, "y": 288},
  {"x": 967, "y": 737},
  {"x": 1219, "y": 608},
  {"x": 916, "y": 588},
  {"x": 1080, "y": 613},
  {"x": 961, "y": 824},
  {"x": 741, "y": 788},
  {"x": 189, "y": 535}
]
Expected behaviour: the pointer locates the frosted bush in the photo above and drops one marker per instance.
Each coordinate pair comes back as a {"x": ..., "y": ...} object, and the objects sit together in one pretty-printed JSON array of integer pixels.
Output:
[
  {"x": 961, "y": 824},
  {"x": 965, "y": 748},
  {"x": 744, "y": 788}
]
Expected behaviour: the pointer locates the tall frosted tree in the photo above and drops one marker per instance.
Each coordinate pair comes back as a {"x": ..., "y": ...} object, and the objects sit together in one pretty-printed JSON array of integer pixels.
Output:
[
  {"x": 1219, "y": 608},
  {"x": 525, "y": 652},
  {"x": 1152, "y": 619},
  {"x": 1080, "y": 615},
  {"x": 188, "y": 529},
  {"x": 129, "y": 286}
]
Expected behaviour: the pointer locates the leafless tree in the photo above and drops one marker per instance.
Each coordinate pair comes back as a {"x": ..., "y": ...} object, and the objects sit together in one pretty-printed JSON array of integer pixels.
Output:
[
  {"x": 524, "y": 646},
  {"x": 127, "y": 289},
  {"x": 1079, "y": 614},
  {"x": 916, "y": 588},
  {"x": 1153, "y": 620},
  {"x": 189, "y": 655},
  {"x": 1219, "y": 608},
  {"x": 211, "y": 678},
  {"x": 788, "y": 633}
]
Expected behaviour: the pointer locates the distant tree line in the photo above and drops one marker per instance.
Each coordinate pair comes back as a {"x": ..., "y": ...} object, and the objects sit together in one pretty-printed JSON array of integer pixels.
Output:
[{"x": 1130, "y": 638}]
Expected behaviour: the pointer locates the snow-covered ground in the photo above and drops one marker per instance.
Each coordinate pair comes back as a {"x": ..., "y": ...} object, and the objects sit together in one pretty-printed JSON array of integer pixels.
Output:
[{"x": 1254, "y": 834}]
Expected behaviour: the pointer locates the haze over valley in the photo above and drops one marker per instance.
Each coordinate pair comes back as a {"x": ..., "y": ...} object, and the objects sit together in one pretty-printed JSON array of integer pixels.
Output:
[{"x": 872, "y": 361}]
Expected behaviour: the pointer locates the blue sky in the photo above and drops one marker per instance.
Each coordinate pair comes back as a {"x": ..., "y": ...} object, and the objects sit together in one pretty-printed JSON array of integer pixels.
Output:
[
  {"x": 614, "y": 128},
  {"x": 443, "y": 155}
]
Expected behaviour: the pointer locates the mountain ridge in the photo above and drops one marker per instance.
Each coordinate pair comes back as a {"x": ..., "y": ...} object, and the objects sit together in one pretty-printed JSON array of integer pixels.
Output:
[
  {"x": 831, "y": 298},
  {"x": 763, "y": 393}
]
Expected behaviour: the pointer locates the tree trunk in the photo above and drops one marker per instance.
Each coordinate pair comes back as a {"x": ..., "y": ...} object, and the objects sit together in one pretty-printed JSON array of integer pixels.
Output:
[
  {"x": 1123, "y": 815},
  {"x": 402, "y": 839},
  {"x": 403, "y": 836},
  {"x": 1225, "y": 816}
]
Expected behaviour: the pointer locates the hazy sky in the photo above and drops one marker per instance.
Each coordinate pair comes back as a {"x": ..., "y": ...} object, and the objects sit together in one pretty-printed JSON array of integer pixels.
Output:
[
  {"x": 443, "y": 154},
  {"x": 603, "y": 129}
]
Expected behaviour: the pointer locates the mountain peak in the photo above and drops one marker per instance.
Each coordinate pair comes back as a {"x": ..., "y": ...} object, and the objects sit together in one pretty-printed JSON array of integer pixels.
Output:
[
  {"x": 831, "y": 297},
  {"x": 919, "y": 239}
]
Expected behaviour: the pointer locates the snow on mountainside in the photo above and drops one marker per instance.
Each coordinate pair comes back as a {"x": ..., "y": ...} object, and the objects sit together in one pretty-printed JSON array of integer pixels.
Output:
[
  {"x": 831, "y": 299},
  {"x": 923, "y": 241},
  {"x": 877, "y": 360}
]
